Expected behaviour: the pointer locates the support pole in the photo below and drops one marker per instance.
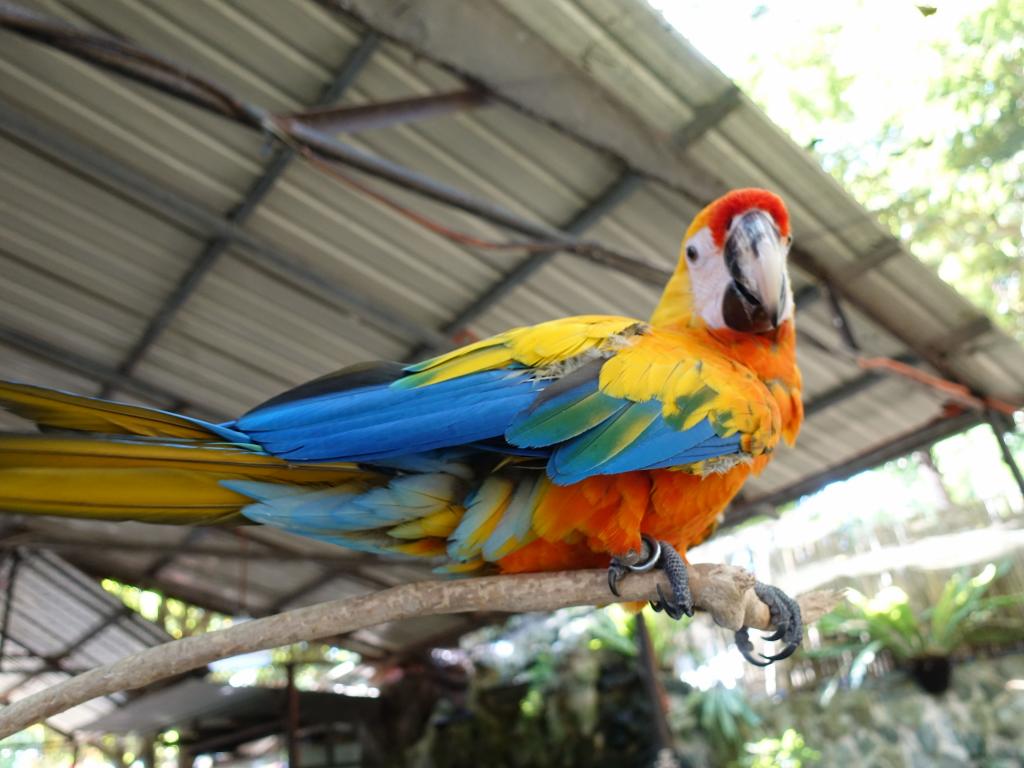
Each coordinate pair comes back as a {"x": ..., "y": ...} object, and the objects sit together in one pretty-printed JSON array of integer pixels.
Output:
[
  {"x": 655, "y": 694},
  {"x": 292, "y": 719},
  {"x": 149, "y": 751},
  {"x": 999, "y": 429}
]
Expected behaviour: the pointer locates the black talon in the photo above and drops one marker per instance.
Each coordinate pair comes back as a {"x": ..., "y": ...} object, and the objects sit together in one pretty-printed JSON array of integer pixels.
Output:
[
  {"x": 777, "y": 635},
  {"x": 615, "y": 573},
  {"x": 658, "y": 554},
  {"x": 620, "y": 566},
  {"x": 785, "y": 617},
  {"x": 746, "y": 647},
  {"x": 681, "y": 602},
  {"x": 670, "y": 607}
]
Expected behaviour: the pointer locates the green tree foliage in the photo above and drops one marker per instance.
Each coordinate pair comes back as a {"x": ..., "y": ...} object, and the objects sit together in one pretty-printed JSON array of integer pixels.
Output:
[
  {"x": 945, "y": 168},
  {"x": 787, "y": 751},
  {"x": 971, "y": 224}
]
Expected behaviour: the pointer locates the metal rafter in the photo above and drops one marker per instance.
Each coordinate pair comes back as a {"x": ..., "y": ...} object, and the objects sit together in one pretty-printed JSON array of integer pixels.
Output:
[
  {"x": 908, "y": 443},
  {"x": 172, "y": 551},
  {"x": 51, "y": 662},
  {"x": 207, "y": 598},
  {"x": 325, "y": 577},
  {"x": 73, "y": 361},
  {"x": 196, "y": 217},
  {"x": 840, "y": 319},
  {"x": 145, "y": 632},
  {"x": 12, "y": 576},
  {"x": 120, "y": 612},
  {"x": 216, "y": 246},
  {"x": 485, "y": 43},
  {"x": 596, "y": 121},
  {"x": 850, "y": 388},
  {"x": 365, "y": 117}
]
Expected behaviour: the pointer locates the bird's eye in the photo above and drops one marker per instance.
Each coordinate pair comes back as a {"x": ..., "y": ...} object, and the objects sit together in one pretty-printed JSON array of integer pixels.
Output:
[
  {"x": 691, "y": 253},
  {"x": 789, "y": 240}
]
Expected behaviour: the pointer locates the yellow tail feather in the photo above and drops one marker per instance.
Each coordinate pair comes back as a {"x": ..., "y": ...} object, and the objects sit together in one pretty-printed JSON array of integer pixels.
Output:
[
  {"x": 62, "y": 410},
  {"x": 144, "y": 479}
]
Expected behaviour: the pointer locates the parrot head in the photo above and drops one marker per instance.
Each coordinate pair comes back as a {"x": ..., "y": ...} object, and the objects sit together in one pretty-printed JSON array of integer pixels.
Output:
[{"x": 733, "y": 259}]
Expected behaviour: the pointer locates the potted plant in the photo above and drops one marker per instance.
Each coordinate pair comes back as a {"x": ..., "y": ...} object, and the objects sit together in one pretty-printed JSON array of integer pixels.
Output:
[{"x": 924, "y": 642}]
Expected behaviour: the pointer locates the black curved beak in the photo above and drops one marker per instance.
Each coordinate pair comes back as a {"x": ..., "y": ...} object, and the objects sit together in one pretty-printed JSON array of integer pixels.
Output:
[{"x": 755, "y": 255}]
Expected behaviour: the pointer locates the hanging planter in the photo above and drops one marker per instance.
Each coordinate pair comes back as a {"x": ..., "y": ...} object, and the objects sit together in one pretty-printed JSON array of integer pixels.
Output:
[
  {"x": 922, "y": 643},
  {"x": 933, "y": 673}
]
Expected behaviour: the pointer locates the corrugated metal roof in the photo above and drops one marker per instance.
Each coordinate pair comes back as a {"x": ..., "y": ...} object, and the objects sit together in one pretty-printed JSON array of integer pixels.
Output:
[
  {"x": 58, "y": 621},
  {"x": 86, "y": 263}
]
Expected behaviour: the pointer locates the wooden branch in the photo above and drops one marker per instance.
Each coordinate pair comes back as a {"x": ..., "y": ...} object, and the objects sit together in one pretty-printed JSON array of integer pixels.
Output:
[{"x": 723, "y": 591}]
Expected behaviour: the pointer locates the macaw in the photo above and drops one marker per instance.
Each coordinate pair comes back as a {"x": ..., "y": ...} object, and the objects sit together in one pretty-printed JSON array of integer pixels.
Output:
[{"x": 589, "y": 441}]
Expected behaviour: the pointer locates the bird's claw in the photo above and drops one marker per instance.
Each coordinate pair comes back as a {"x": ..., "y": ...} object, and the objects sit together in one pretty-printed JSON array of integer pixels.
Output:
[
  {"x": 635, "y": 562},
  {"x": 681, "y": 602},
  {"x": 658, "y": 554},
  {"x": 616, "y": 571},
  {"x": 785, "y": 617}
]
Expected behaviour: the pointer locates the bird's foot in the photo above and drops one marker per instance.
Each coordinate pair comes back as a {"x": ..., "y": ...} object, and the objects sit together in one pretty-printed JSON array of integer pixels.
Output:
[
  {"x": 633, "y": 562},
  {"x": 785, "y": 617},
  {"x": 658, "y": 554}
]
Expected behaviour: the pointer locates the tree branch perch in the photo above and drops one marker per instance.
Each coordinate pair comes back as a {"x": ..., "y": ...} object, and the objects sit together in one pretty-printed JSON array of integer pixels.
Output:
[{"x": 723, "y": 591}]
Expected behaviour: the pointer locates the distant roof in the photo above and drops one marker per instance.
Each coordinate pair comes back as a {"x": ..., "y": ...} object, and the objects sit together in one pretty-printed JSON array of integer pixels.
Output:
[
  {"x": 208, "y": 708},
  {"x": 155, "y": 252},
  {"x": 57, "y": 621}
]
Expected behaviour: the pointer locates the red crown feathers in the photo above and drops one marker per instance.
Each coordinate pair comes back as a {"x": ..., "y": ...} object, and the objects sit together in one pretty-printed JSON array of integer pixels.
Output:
[{"x": 721, "y": 212}]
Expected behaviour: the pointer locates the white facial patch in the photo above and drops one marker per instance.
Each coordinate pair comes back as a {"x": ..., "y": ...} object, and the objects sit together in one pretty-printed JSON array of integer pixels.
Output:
[{"x": 709, "y": 278}]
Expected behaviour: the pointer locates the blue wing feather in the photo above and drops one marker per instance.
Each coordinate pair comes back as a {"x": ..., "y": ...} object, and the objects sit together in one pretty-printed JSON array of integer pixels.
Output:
[
  {"x": 384, "y": 421},
  {"x": 581, "y": 430},
  {"x": 600, "y": 450},
  {"x": 564, "y": 416}
]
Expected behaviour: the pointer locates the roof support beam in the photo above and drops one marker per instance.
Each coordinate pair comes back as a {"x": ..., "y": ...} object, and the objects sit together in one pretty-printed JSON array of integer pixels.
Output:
[
  {"x": 326, "y": 577},
  {"x": 908, "y": 443},
  {"x": 344, "y": 561},
  {"x": 850, "y": 388},
  {"x": 840, "y": 319},
  {"x": 143, "y": 631},
  {"x": 611, "y": 197},
  {"x": 885, "y": 249},
  {"x": 49, "y": 663},
  {"x": 485, "y": 43},
  {"x": 205, "y": 598},
  {"x": 192, "y": 215},
  {"x": 218, "y": 244},
  {"x": 123, "y": 611},
  {"x": 420, "y": 184},
  {"x": 366, "y": 117}
]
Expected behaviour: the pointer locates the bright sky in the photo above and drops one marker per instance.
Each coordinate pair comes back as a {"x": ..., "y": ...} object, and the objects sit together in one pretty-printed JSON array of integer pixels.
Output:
[{"x": 886, "y": 46}]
